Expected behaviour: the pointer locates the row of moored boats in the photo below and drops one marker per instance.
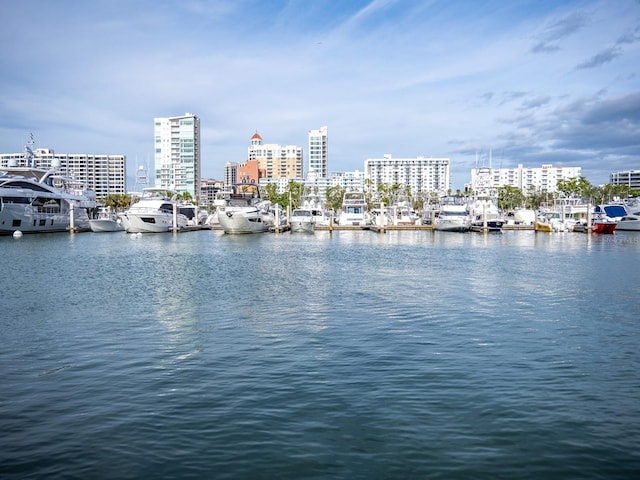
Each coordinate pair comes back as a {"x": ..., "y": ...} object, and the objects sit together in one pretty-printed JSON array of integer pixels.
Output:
[{"x": 38, "y": 200}]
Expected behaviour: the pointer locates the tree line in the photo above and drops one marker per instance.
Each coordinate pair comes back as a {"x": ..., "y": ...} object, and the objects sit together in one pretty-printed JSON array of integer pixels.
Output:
[{"x": 509, "y": 197}]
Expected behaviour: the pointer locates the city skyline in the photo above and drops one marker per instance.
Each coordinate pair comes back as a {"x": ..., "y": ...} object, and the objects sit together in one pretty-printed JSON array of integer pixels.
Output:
[{"x": 533, "y": 82}]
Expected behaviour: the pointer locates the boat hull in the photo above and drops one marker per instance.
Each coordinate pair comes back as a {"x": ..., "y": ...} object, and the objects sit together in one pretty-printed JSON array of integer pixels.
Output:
[
  {"x": 604, "y": 228},
  {"x": 631, "y": 224},
  {"x": 452, "y": 224},
  {"x": 239, "y": 222},
  {"x": 491, "y": 226},
  {"x": 104, "y": 225},
  {"x": 27, "y": 220},
  {"x": 151, "y": 222},
  {"x": 301, "y": 226},
  {"x": 542, "y": 227}
]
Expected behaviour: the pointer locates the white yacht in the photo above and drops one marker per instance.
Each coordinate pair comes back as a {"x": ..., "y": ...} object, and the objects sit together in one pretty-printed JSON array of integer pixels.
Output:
[
  {"x": 246, "y": 212},
  {"x": 354, "y": 210},
  {"x": 320, "y": 215},
  {"x": 106, "y": 221},
  {"x": 34, "y": 200},
  {"x": 157, "y": 211},
  {"x": 453, "y": 215},
  {"x": 302, "y": 220},
  {"x": 485, "y": 215},
  {"x": 630, "y": 221},
  {"x": 483, "y": 205},
  {"x": 195, "y": 215},
  {"x": 219, "y": 204},
  {"x": 402, "y": 213}
]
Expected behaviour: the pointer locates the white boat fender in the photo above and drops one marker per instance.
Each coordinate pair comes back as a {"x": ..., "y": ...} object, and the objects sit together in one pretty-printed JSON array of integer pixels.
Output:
[{"x": 17, "y": 234}]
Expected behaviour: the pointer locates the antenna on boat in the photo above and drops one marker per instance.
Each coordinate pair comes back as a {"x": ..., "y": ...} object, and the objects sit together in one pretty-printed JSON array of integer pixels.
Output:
[{"x": 142, "y": 177}]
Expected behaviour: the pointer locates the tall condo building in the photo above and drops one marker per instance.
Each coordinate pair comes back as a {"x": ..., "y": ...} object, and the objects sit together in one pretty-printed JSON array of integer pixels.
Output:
[
  {"x": 319, "y": 152},
  {"x": 276, "y": 161},
  {"x": 177, "y": 153},
  {"x": 104, "y": 174},
  {"x": 422, "y": 174}
]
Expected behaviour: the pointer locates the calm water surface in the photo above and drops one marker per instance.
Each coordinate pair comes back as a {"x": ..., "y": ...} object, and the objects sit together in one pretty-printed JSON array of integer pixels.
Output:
[{"x": 347, "y": 355}]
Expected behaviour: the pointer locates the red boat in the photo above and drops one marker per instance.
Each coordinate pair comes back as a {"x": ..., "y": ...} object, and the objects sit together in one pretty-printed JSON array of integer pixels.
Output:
[{"x": 603, "y": 226}]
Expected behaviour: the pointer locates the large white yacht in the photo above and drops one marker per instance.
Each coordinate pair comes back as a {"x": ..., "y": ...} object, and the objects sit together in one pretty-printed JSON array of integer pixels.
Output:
[
  {"x": 483, "y": 205},
  {"x": 630, "y": 221},
  {"x": 354, "y": 210},
  {"x": 246, "y": 212},
  {"x": 157, "y": 211},
  {"x": 302, "y": 220},
  {"x": 34, "y": 200},
  {"x": 453, "y": 215}
]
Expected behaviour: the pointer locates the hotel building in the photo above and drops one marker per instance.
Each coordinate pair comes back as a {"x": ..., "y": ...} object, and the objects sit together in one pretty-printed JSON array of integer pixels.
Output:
[
  {"x": 104, "y": 174},
  {"x": 276, "y": 161},
  {"x": 177, "y": 153}
]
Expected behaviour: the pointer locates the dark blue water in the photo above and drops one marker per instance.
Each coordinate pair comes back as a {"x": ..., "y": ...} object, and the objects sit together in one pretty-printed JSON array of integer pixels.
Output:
[{"x": 348, "y": 355}]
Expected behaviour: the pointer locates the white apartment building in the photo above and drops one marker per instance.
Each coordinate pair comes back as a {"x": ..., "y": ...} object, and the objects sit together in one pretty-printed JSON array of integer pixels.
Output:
[
  {"x": 318, "y": 185},
  {"x": 542, "y": 179},
  {"x": 104, "y": 174},
  {"x": 231, "y": 173},
  {"x": 630, "y": 178},
  {"x": 319, "y": 152},
  {"x": 177, "y": 153},
  {"x": 278, "y": 161},
  {"x": 422, "y": 174}
]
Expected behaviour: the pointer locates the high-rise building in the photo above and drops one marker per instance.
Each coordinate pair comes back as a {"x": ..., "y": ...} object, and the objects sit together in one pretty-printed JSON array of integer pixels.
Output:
[
  {"x": 231, "y": 173},
  {"x": 277, "y": 161},
  {"x": 104, "y": 174},
  {"x": 319, "y": 152},
  {"x": 177, "y": 153},
  {"x": 422, "y": 174}
]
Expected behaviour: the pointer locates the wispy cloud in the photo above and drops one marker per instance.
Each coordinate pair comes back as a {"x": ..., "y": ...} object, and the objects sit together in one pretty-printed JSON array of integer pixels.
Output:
[
  {"x": 605, "y": 56},
  {"x": 629, "y": 37},
  {"x": 558, "y": 30}
]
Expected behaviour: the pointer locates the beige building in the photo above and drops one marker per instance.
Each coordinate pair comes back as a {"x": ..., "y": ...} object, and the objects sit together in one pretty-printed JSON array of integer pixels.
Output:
[{"x": 277, "y": 161}]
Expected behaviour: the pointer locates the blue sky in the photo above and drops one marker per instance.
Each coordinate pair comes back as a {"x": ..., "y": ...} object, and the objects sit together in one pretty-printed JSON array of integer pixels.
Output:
[{"x": 531, "y": 81}]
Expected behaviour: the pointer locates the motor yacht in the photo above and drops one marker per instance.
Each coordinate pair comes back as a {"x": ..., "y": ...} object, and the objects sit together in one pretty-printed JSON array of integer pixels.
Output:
[
  {"x": 453, "y": 215},
  {"x": 302, "y": 220},
  {"x": 34, "y": 200},
  {"x": 106, "y": 221},
  {"x": 157, "y": 211},
  {"x": 354, "y": 210},
  {"x": 631, "y": 221},
  {"x": 246, "y": 212}
]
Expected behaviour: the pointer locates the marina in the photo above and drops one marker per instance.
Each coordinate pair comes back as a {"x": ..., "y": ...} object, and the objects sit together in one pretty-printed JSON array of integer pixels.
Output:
[{"x": 344, "y": 354}]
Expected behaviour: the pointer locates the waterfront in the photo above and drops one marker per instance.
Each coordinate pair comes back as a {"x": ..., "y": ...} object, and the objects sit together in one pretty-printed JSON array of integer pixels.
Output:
[{"x": 410, "y": 354}]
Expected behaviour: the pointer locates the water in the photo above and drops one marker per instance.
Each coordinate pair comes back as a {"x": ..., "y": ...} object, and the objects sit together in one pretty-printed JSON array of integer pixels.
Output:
[{"x": 347, "y": 355}]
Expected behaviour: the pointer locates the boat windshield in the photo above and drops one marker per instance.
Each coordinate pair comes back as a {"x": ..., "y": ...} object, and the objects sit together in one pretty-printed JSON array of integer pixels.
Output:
[{"x": 615, "y": 211}]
